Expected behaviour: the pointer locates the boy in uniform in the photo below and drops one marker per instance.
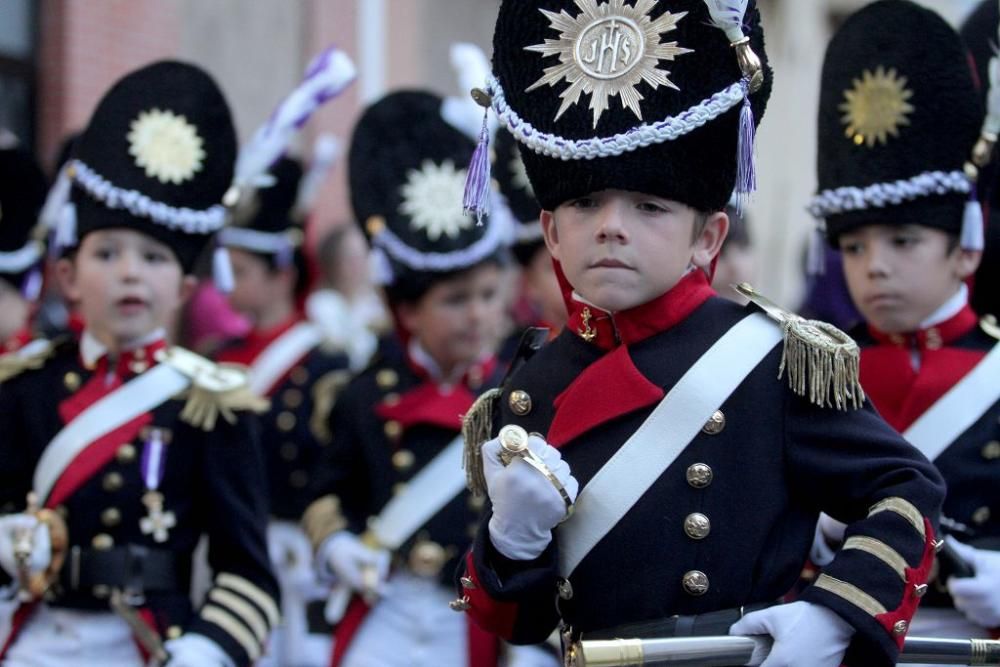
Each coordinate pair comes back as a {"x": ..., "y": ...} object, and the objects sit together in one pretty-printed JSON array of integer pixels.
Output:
[
  {"x": 701, "y": 469},
  {"x": 128, "y": 450},
  {"x": 293, "y": 364},
  {"x": 392, "y": 516},
  {"x": 898, "y": 197}
]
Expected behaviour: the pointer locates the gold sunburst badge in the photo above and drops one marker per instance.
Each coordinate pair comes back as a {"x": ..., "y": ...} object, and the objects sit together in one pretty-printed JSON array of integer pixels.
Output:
[
  {"x": 608, "y": 49},
  {"x": 166, "y": 146},
  {"x": 876, "y": 107},
  {"x": 432, "y": 198}
]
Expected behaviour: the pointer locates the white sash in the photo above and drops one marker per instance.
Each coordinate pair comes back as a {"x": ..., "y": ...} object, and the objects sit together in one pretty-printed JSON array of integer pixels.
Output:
[
  {"x": 431, "y": 489},
  {"x": 283, "y": 352},
  {"x": 136, "y": 397},
  {"x": 958, "y": 409},
  {"x": 660, "y": 439}
]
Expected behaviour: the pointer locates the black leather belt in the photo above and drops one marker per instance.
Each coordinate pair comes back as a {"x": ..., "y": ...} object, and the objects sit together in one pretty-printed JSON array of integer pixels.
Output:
[
  {"x": 709, "y": 623},
  {"x": 132, "y": 568}
]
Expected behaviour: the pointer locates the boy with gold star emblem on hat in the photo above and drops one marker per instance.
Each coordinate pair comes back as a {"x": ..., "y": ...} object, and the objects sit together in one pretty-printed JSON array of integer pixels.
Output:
[
  {"x": 656, "y": 474},
  {"x": 900, "y": 148}
]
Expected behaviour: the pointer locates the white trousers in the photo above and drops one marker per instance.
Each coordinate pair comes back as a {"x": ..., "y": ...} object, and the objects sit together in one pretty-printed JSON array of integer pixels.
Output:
[
  {"x": 61, "y": 637},
  {"x": 411, "y": 626}
]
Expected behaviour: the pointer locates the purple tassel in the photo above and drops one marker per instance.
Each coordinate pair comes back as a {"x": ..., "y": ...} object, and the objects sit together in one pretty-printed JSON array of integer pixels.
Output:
[
  {"x": 816, "y": 253},
  {"x": 222, "y": 270},
  {"x": 31, "y": 288},
  {"x": 746, "y": 172},
  {"x": 283, "y": 258},
  {"x": 972, "y": 236},
  {"x": 477, "y": 181}
]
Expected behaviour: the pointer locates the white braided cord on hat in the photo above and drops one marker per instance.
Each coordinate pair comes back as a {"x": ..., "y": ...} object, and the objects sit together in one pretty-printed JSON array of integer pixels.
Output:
[
  {"x": 255, "y": 240},
  {"x": 640, "y": 136},
  {"x": 22, "y": 259},
  {"x": 879, "y": 195},
  {"x": 183, "y": 219},
  {"x": 497, "y": 234}
]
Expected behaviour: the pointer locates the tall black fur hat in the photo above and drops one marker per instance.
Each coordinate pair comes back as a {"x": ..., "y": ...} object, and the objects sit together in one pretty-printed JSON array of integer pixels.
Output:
[
  {"x": 407, "y": 172},
  {"x": 631, "y": 94},
  {"x": 156, "y": 157},
  {"x": 515, "y": 187},
  {"x": 898, "y": 118},
  {"x": 266, "y": 224},
  {"x": 979, "y": 31},
  {"x": 22, "y": 193}
]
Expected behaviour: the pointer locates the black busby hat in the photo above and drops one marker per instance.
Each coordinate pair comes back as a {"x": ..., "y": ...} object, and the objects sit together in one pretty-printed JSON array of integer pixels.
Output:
[
  {"x": 632, "y": 94},
  {"x": 980, "y": 33},
  {"x": 22, "y": 193},
  {"x": 898, "y": 119},
  {"x": 515, "y": 187},
  {"x": 156, "y": 157},
  {"x": 407, "y": 173},
  {"x": 267, "y": 224}
]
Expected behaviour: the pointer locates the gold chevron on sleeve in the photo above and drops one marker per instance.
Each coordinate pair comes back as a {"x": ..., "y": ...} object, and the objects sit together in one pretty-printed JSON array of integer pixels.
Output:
[
  {"x": 880, "y": 550},
  {"x": 254, "y": 593},
  {"x": 851, "y": 593},
  {"x": 904, "y": 508},
  {"x": 229, "y": 624},
  {"x": 248, "y": 613}
]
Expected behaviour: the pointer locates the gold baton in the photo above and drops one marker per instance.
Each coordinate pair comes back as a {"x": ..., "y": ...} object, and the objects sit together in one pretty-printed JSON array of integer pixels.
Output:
[{"x": 514, "y": 444}]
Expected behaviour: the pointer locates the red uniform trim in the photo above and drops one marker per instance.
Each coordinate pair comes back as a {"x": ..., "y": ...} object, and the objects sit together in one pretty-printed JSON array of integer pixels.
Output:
[
  {"x": 428, "y": 404},
  {"x": 608, "y": 388},
  {"x": 490, "y": 615},
  {"x": 915, "y": 577}
]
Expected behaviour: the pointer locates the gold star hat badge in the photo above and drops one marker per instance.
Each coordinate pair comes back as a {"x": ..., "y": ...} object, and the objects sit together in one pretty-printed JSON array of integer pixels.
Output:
[
  {"x": 898, "y": 119},
  {"x": 622, "y": 94}
]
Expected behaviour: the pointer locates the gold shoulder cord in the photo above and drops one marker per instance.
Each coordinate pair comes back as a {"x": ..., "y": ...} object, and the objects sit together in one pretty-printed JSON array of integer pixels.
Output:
[
  {"x": 13, "y": 364},
  {"x": 477, "y": 428},
  {"x": 821, "y": 360},
  {"x": 216, "y": 389}
]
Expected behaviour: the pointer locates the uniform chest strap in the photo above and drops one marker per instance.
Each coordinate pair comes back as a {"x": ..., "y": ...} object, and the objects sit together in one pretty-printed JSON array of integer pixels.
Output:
[
  {"x": 425, "y": 495},
  {"x": 278, "y": 358},
  {"x": 660, "y": 439},
  {"x": 136, "y": 397},
  {"x": 958, "y": 409}
]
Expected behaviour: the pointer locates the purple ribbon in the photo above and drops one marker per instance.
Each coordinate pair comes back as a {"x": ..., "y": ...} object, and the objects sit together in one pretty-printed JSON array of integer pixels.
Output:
[{"x": 154, "y": 453}]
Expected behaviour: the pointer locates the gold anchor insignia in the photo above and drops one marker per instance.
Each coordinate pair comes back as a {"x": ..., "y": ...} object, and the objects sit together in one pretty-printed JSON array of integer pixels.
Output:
[{"x": 588, "y": 333}]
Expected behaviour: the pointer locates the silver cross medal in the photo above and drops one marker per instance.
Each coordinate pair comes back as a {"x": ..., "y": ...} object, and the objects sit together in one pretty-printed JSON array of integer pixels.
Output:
[{"x": 157, "y": 522}]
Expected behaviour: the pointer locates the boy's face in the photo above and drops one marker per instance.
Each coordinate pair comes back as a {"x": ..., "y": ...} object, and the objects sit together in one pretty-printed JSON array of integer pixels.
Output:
[
  {"x": 457, "y": 320},
  {"x": 126, "y": 285},
  {"x": 899, "y": 275},
  {"x": 256, "y": 286},
  {"x": 622, "y": 249}
]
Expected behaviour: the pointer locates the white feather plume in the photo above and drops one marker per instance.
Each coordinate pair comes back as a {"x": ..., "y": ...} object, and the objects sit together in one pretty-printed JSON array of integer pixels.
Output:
[
  {"x": 325, "y": 78},
  {"x": 326, "y": 150},
  {"x": 727, "y": 16},
  {"x": 472, "y": 69}
]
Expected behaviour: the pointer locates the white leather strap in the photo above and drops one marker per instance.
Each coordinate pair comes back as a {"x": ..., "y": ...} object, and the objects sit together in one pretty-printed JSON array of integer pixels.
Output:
[
  {"x": 283, "y": 353},
  {"x": 668, "y": 430},
  {"x": 136, "y": 397},
  {"x": 958, "y": 409},
  {"x": 425, "y": 495}
]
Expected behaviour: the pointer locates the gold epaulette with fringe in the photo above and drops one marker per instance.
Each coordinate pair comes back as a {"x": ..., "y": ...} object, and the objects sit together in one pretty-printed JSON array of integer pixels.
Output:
[
  {"x": 477, "y": 428},
  {"x": 216, "y": 389},
  {"x": 989, "y": 325},
  {"x": 30, "y": 357},
  {"x": 821, "y": 360}
]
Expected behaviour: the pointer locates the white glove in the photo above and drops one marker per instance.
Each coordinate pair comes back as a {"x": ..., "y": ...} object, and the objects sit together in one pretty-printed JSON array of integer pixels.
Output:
[
  {"x": 828, "y": 538},
  {"x": 526, "y": 505},
  {"x": 977, "y": 597},
  {"x": 14, "y": 525},
  {"x": 355, "y": 564},
  {"x": 805, "y": 634},
  {"x": 194, "y": 650}
]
